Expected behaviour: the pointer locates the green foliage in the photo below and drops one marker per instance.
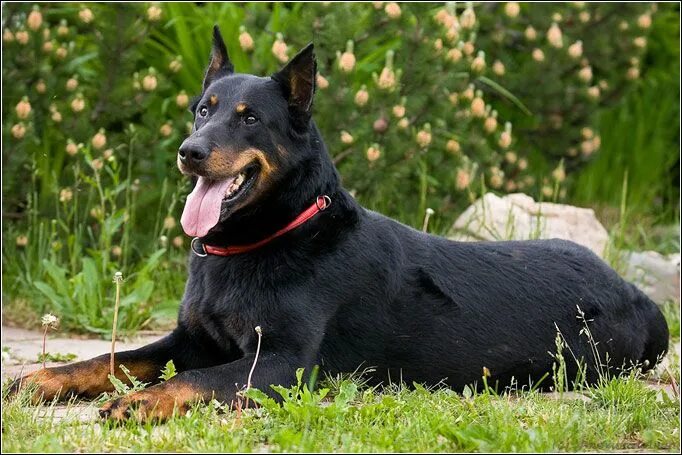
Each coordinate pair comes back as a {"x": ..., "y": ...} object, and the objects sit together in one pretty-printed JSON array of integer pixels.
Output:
[
  {"x": 56, "y": 357},
  {"x": 95, "y": 97},
  {"x": 623, "y": 413},
  {"x": 168, "y": 371},
  {"x": 640, "y": 134}
]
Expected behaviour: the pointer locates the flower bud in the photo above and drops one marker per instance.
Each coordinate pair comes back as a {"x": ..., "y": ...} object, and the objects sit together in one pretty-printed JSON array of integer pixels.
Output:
[
  {"x": 644, "y": 21},
  {"x": 178, "y": 241},
  {"x": 468, "y": 48},
  {"x": 182, "y": 100},
  {"x": 575, "y": 50},
  {"x": 65, "y": 195},
  {"x": 380, "y": 125},
  {"x": 21, "y": 36},
  {"x": 424, "y": 136},
  {"x": 86, "y": 15},
  {"x": 498, "y": 68},
  {"x": 454, "y": 55},
  {"x": 321, "y": 82},
  {"x": 245, "y": 40},
  {"x": 478, "y": 64},
  {"x": 97, "y": 164},
  {"x": 169, "y": 223},
  {"x": 347, "y": 59},
  {"x": 346, "y": 138},
  {"x": 593, "y": 92},
  {"x": 538, "y": 55},
  {"x": 35, "y": 19},
  {"x": 99, "y": 140},
  {"x": 585, "y": 73},
  {"x": 166, "y": 129},
  {"x": 21, "y": 241},
  {"x": 72, "y": 84},
  {"x": 7, "y": 36},
  {"x": 149, "y": 82},
  {"x": 175, "y": 65},
  {"x": 61, "y": 52},
  {"x": 478, "y": 106},
  {"x": 506, "y": 137},
  {"x": 56, "y": 117},
  {"x": 71, "y": 147},
  {"x": 490, "y": 124},
  {"x": 23, "y": 108},
  {"x": 361, "y": 97},
  {"x": 392, "y": 10},
  {"x": 373, "y": 153},
  {"x": 18, "y": 130},
  {"x": 453, "y": 146},
  {"x": 403, "y": 123},
  {"x": 153, "y": 13},
  {"x": 530, "y": 33},
  {"x": 554, "y": 36},
  {"x": 279, "y": 49},
  {"x": 512, "y": 9},
  {"x": 632, "y": 73},
  {"x": 639, "y": 42},
  {"x": 462, "y": 179},
  {"x": 468, "y": 18},
  {"x": 63, "y": 28},
  {"x": 399, "y": 111},
  {"x": 559, "y": 174}
]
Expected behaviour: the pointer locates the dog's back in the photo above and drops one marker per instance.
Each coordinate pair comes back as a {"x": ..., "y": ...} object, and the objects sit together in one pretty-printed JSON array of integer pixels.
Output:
[{"x": 428, "y": 309}]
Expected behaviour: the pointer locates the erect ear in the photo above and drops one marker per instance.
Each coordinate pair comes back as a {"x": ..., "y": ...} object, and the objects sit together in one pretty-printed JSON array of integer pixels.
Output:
[
  {"x": 220, "y": 64},
  {"x": 297, "y": 79}
]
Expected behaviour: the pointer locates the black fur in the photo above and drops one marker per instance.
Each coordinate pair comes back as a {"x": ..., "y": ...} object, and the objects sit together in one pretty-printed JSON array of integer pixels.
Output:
[{"x": 351, "y": 288}]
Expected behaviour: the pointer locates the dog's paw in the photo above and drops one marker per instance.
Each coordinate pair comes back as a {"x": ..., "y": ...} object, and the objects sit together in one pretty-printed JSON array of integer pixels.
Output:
[
  {"x": 153, "y": 404},
  {"x": 47, "y": 384}
]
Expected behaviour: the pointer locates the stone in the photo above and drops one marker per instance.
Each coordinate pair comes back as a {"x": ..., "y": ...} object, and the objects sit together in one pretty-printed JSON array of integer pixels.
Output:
[
  {"x": 518, "y": 217},
  {"x": 658, "y": 276}
]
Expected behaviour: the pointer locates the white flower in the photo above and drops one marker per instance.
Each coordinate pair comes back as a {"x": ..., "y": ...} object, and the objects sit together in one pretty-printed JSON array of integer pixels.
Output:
[{"x": 49, "y": 320}]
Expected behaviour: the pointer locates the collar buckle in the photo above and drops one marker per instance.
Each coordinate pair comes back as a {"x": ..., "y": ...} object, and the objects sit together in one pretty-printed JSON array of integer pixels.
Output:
[{"x": 202, "y": 254}]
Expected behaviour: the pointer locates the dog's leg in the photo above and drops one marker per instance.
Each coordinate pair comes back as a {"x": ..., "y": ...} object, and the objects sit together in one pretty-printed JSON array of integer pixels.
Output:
[
  {"x": 90, "y": 378},
  {"x": 220, "y": 382}
]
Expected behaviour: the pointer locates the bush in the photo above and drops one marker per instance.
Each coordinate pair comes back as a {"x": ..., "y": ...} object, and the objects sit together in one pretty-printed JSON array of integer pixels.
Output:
[{"x": 421, "y": 105}]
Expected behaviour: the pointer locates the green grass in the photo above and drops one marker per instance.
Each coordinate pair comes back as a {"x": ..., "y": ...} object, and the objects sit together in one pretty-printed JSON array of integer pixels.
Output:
[{"x": 621, "y": 414}]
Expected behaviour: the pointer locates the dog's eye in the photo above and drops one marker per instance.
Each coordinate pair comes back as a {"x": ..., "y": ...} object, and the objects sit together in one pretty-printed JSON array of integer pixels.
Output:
[
  {"x": 203, "y": 111},
  {"x": 250, "y": 119}
]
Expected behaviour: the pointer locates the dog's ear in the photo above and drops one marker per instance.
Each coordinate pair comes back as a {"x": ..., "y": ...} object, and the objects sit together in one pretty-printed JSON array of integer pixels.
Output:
[
  {"x": 297, "y": 79},
  {"x": 220, "y": 64}
]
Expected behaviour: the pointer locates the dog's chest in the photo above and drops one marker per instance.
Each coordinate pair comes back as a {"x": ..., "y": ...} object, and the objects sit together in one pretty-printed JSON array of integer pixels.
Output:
[{"x": 226, "y": 299}]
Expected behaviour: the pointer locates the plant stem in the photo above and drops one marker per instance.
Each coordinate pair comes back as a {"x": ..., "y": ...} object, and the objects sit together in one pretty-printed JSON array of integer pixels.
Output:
[
  {"x": 255, "y": 360},
  {"x": 118, "y": 277},
  {"x": 44, "y": 342}
]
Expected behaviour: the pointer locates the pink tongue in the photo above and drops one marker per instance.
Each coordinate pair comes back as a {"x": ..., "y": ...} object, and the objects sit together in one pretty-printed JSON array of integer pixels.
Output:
[{"x": 202, "y": 209}]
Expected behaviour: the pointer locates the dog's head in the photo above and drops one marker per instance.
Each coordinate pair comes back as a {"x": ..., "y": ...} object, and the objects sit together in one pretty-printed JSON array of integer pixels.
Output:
[{"x": 245, "y": 135}]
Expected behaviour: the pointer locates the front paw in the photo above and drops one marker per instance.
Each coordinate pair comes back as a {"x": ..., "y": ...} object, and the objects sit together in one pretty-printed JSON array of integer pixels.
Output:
[
  {"x": 47, "y": 384},
  {"x": 157, "y": 403}
]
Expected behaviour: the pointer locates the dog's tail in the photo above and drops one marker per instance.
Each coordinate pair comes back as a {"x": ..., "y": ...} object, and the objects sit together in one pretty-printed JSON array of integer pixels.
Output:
[{"x": 656, "y": 344}]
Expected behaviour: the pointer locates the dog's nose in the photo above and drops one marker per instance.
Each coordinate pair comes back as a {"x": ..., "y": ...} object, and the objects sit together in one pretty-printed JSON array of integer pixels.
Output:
[{"x": 192, "y": 152}]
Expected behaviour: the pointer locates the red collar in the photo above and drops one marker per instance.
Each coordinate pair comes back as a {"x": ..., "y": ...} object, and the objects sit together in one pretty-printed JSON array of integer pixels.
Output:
[{"x": 321, "y": 203}]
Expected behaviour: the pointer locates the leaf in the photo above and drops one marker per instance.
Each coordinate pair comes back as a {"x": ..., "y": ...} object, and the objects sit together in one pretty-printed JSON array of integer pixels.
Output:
[
  {"x": 505, "y": 93},
  {"x": 261, "y": 398},
  {"x": 168, "y": 371}
]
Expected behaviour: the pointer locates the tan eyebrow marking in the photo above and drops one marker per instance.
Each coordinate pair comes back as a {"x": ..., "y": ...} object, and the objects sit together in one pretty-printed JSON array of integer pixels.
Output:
[
  {"x": 241, "y": 107},
  {"x": 214, "y": 100}
]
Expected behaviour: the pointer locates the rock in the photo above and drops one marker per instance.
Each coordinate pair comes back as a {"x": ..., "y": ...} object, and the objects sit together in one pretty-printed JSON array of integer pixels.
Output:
[
  {"x": 518, "y": 217},
  {"x": 655, "y": 274}
]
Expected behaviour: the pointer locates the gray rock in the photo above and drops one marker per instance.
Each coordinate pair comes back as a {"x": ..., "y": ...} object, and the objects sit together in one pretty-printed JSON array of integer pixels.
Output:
[
  {"x": 655, "y": 274},
  {"x": 518, "y": 217}
]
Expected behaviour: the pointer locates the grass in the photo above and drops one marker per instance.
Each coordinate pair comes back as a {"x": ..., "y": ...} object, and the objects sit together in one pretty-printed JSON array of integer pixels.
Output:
[{"x": 346, "y": 416}]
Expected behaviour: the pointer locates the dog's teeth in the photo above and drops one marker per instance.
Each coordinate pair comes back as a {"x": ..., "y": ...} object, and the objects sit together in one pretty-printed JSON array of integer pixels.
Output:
[{"x": 239, "y": 180}]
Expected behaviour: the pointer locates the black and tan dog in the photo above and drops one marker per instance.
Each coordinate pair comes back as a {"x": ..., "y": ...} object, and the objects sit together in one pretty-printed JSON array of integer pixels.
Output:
[{"x": 281, "y": 245}]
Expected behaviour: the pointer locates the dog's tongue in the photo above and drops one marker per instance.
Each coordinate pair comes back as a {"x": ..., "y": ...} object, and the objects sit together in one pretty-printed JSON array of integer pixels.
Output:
[{"x": 202, "y": 209}]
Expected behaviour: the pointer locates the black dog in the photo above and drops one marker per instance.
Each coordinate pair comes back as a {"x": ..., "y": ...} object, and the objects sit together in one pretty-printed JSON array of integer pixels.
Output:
[{"x": 281, "y": 245}]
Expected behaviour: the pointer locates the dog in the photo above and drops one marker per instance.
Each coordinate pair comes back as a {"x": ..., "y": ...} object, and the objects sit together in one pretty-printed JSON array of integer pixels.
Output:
[{"x": 288, "y": 271}]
